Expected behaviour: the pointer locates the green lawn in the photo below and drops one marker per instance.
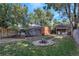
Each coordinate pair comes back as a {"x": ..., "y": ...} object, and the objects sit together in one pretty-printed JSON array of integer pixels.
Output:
[{"x": 63, "y": 47}]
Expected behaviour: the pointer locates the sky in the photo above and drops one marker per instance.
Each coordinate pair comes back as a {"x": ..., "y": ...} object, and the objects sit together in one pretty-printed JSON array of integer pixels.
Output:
[{"x": 33, "y": 6}]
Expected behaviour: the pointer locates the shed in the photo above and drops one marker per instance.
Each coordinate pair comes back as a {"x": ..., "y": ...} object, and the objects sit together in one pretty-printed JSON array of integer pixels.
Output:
[{"x": 62, "y": 29}]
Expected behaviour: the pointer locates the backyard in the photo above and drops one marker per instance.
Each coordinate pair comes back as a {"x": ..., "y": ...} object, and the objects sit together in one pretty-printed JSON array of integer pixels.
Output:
[
  {"x": 63, "y": 47},
  {"x": 42, "y": 29}
]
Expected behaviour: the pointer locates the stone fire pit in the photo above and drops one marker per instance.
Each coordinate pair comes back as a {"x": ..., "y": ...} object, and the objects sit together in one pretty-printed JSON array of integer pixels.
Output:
[{"x": 43, "y": 42}]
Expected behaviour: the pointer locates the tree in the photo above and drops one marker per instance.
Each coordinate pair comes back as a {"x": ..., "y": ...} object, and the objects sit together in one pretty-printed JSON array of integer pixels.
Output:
[
  {"x": 20, "y": 14},
  {"x": 11, "y": 15},
  {"x": 43, "y": 17},
  {"x": 3, "y": 15},
  {"x": 66, "y": 10},
  {"x": 4, "y": 10}
]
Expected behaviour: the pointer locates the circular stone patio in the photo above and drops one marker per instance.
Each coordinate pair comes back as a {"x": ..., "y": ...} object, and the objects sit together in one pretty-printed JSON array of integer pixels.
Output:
[{"x": 38, "y": 43}]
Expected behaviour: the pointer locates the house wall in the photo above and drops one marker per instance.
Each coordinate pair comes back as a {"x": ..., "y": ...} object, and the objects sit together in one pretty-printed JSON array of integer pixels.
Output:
[{"x": 62, "y": 31}]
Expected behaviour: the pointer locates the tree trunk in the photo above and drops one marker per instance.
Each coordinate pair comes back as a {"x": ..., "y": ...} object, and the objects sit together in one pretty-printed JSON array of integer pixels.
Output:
[
  {"x": 75, "y": 18},
  {"x": 66, "y": 10},
  {"x": 78, "y": 11},
  {"x": 69, "y": 15},
  {"x": 2, "y": 33}
]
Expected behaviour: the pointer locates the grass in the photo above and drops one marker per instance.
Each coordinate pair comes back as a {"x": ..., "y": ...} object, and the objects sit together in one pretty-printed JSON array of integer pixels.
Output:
[{"x": 63, "y": 47}]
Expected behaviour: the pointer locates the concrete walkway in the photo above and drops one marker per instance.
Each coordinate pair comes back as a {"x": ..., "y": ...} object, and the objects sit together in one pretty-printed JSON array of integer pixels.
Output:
[
  {"x": 30, "y": 39},
  {"x": 6, "y": 40},
  {"x": 10, "y": 40},
  {"x": 76, "y": 35}
]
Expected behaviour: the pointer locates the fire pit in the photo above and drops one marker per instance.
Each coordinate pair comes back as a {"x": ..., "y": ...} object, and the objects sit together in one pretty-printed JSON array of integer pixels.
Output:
[{"x": 43, "y": 42}]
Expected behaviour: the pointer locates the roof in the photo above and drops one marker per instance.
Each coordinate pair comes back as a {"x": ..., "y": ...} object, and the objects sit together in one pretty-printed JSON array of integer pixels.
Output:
[
  {"x": 30, "y": 28},
  {"x": 34, "y": 25},
  {"x": 62, "y": 26}
]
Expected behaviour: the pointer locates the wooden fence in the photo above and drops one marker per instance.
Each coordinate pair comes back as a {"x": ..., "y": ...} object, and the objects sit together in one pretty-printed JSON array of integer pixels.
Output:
[{"x": 6, "y": 32}]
